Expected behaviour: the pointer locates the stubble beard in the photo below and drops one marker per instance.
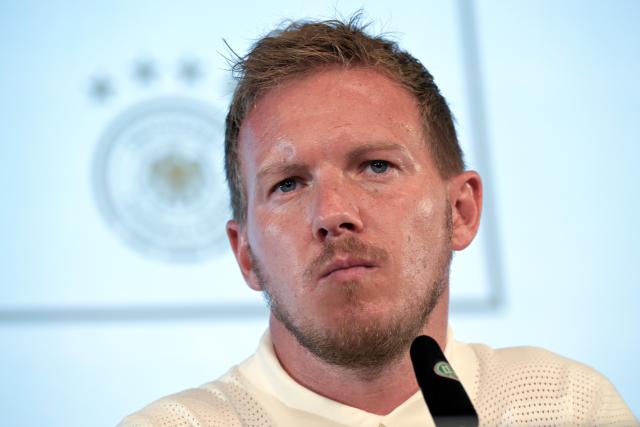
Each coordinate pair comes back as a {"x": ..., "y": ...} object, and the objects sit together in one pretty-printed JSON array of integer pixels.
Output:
[{"x": 363, "y": 347}]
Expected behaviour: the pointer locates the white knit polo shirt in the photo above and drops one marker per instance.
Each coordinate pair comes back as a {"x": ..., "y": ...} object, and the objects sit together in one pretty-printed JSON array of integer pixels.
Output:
[{"x": 508, "y": 387}]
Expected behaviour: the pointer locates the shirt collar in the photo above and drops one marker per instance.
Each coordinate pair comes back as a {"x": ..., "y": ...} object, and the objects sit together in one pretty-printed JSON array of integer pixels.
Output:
[{"x": 266, "y": 374}]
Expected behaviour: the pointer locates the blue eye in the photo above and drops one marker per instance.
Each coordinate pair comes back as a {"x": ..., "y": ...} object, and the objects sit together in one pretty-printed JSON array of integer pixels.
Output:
[
  {"x": 287, "y": 185},
  {"x": 379, "y": 166}
]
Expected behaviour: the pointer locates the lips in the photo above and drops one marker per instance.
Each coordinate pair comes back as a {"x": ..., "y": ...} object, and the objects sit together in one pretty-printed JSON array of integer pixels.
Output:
[{"x": 345, "y": 264}]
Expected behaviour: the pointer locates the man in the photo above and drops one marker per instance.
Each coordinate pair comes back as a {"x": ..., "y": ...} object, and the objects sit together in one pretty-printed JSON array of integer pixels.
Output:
[{"x": 349, "y": 194}]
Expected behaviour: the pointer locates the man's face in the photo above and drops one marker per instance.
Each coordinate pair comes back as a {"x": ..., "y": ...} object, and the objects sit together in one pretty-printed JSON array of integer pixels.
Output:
[{"x": 348, "y": 224}]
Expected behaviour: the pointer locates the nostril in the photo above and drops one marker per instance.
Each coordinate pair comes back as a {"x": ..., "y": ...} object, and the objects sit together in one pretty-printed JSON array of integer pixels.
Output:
[{"x": 325, "y": 227}]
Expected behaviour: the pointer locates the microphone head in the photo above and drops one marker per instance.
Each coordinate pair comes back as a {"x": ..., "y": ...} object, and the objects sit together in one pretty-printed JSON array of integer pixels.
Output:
[{"x": 443, "y": 392}]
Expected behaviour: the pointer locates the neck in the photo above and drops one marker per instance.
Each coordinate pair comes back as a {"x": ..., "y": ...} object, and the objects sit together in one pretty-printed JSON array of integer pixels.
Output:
[{"x": 380, "y": 393}]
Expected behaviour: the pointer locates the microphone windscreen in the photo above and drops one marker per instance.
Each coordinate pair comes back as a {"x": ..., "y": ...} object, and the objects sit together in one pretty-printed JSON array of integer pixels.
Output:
[{"x": 443, "y": 392}]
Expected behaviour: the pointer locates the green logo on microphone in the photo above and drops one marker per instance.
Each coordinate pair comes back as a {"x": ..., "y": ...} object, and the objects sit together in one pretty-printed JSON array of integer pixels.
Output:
[{"x": 445, "y": 370}]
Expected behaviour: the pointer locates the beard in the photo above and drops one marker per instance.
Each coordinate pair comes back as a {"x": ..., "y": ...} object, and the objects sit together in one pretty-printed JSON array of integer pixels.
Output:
[{"x": 366, "y": 346}]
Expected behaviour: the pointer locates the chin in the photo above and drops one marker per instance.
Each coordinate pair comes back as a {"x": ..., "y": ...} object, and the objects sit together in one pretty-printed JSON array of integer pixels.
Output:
[{"x": 356, "y": 313}]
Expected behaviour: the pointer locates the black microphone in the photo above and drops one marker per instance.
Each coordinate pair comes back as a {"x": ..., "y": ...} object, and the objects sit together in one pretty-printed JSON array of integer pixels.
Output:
[{"x": 446, "y": 399}]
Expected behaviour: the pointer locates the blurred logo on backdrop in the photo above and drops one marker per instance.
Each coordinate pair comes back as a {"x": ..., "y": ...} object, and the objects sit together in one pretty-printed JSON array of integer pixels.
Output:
[{"x": 157, "y": 170}]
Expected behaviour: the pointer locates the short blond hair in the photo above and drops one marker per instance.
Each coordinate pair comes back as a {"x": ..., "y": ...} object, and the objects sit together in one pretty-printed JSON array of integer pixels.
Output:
[{"x": 301, "y": 47}]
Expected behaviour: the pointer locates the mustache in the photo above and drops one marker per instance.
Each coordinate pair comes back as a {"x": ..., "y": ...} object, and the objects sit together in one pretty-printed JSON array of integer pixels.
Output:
[{"x": 348, "y": 246}]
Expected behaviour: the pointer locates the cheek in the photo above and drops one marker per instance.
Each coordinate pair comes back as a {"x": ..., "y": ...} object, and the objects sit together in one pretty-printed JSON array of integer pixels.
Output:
[
  {"x": 425, "y": 207},
  {"x": 272, "y": 239},
  {"x": 421, "y": 218},
  {"x": 267, "y": 228},
  {"x": 423, "y": 234}
]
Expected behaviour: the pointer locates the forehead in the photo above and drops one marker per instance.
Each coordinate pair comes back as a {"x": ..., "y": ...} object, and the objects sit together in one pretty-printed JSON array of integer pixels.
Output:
[
  {"x": 336, "y": 104},
  {"x": 354, "y": 91}
]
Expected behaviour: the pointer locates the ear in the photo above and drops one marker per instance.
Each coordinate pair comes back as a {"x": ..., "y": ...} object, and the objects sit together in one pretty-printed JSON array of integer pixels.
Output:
[
  {"x": 465, "y": 196},
  {"x": 240, "y": 245}
]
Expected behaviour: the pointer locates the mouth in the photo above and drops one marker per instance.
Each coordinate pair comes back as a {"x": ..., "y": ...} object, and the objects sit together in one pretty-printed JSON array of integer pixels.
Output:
[{"x": 347, "y": 268}]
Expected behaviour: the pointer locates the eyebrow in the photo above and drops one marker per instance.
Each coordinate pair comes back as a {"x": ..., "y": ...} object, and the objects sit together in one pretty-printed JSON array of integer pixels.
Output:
[
  {"x": 361, "y": 150},
  {"x": 280, "y": 169}
]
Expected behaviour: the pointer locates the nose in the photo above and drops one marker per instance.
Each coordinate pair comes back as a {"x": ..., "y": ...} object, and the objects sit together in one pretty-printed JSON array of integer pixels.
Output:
[{"x": 334, "y": 214}]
